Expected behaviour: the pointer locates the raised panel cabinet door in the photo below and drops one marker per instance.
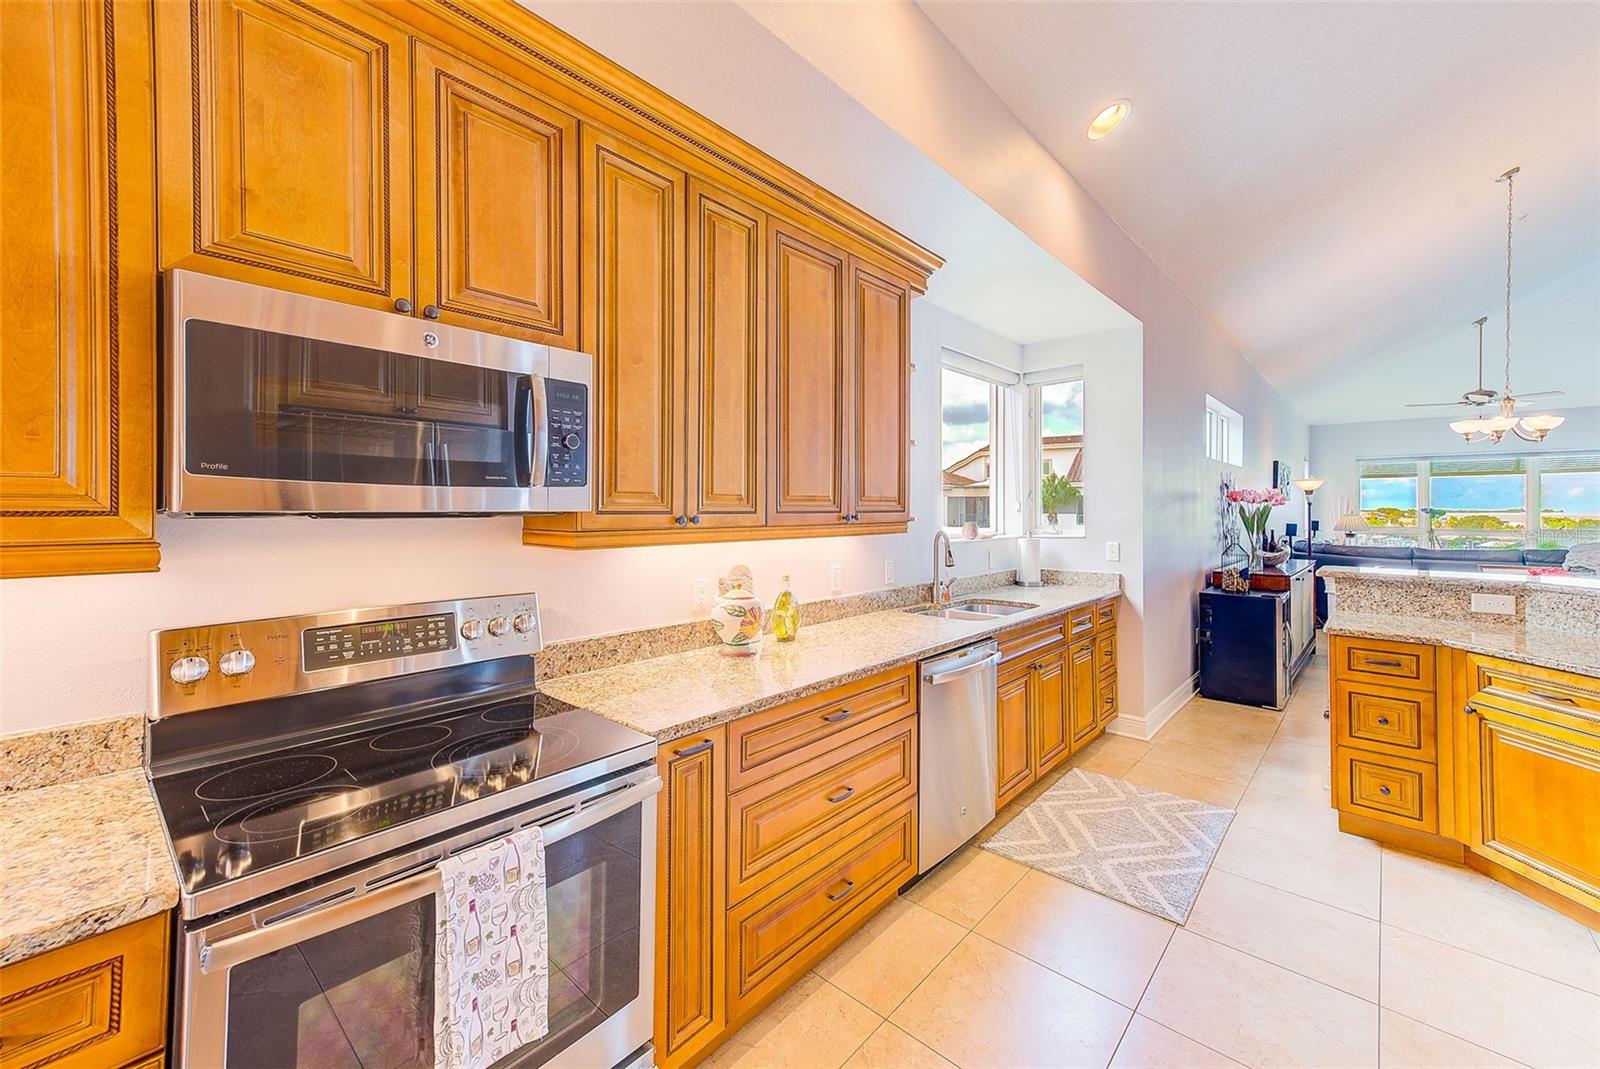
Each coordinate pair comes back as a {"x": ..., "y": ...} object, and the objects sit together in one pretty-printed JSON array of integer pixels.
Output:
[
  {"x": 496, "y": 203},
  {"x": 691, "y": 897},
  {"x": 727, "y": 359},
  {"x": 881, "y": 381},
  {"x": 285, "y": 146},
  {"x": 1521, "y": 770},
  {"x": 809, "y": 380},
  {"x": 633, "y": 236},
  {"x": 1082, "y": 700},
  {"x": 1014, "y": 735},
  {"x": 1052, "y": 731},
  {"x": 77, "y": 290}
]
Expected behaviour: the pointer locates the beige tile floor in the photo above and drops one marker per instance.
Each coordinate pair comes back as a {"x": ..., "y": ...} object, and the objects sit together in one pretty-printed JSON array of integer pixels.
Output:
[{"x": 1306, "y": 946}]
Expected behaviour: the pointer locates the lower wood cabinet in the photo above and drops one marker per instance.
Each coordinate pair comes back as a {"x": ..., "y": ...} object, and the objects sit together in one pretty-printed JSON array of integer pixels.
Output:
[
  {"x": 691, "y": 1010},
  {"x": 1083, "y": 692},
  {"x": 99, "y": 1003},
  {"x": 1474, "y": 758},
  {"x": 1014, "y": 734}
]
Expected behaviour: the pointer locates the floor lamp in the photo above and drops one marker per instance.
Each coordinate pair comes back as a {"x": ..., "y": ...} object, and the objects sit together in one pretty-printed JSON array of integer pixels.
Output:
[{"x": 1308, "y": 486}]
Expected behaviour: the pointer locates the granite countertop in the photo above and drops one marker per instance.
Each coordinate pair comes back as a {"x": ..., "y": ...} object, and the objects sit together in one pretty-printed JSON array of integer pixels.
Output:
[
  {"x": 677, "y": 695},
  {"x": 1566, "y": 651},
  {"x": 1496, "y": 578},
  {"x": 80, "y": 858}
]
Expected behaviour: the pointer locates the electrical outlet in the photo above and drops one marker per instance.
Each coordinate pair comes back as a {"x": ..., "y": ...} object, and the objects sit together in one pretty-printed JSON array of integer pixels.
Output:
[
  {"x": 1501, "y": 604},
  {"x": 888, "y": 573},
  {"x": 835, "y": 578},
  {"x": 702, "y": 593},
  {"x": 1113, "y": 551}
]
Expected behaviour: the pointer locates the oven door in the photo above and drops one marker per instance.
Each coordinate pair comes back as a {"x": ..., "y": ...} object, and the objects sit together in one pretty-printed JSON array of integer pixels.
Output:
[
  {"x": 278, "y": 402},
  {"x": 342, "y": 975}
]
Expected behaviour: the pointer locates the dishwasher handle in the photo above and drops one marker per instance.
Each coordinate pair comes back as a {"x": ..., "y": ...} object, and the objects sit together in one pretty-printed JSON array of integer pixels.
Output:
[{"x": 936, "y": 678}]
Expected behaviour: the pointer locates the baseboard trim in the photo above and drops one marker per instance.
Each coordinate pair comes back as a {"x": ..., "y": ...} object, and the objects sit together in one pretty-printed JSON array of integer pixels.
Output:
[{"x": 1145, "y": 727}]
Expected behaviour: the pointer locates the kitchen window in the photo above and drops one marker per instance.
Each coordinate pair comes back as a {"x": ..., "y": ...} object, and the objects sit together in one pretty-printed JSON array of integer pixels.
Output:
[
  {"x": 969, "y": 447},
  {"x": 1058, "y": 414},
  {"x": 1224, "y": 433}
]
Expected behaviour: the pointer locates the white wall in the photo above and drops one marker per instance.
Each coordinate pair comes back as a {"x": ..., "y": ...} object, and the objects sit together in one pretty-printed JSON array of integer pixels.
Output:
[
  {"x": 891, "y": 58},
  {"x": 76, "y": 648},
  {"x": 1335, "y": 448}
]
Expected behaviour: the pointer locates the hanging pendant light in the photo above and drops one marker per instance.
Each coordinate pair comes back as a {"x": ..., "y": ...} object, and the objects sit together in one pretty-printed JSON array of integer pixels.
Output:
[{"x": 1494, "y": 428}]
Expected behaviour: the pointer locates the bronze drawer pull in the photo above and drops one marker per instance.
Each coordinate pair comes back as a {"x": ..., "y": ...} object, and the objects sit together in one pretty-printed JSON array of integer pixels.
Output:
[
  {"x": 1385, "y": 664},
  {"x": 849, "y": 885},
  {"x": 1562, "y": 698},
  {"x": 1383, "y": 790},
  {"x": 834, "y": 718},
  {"x": 1383, "y": 720},
  {"x": 835, "y": 799},
  {"x": 699, "y": 747}
]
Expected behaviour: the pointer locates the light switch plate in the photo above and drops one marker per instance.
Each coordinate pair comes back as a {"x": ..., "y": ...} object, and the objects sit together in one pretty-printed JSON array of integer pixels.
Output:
[
  {"x": 1113, "y": 551},
  {"x": 1500, "y": 604}
]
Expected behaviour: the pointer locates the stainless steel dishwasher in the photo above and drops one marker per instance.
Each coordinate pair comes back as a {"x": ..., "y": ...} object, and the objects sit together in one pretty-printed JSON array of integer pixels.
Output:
[{"x": 956, "y": 761}]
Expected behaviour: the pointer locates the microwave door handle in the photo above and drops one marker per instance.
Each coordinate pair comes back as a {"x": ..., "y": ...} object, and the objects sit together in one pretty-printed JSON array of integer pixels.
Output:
[
  {"x": 224, "y": 954},
  {"x": 522, "y": 430},
  {"x": 541, "y": 429}
]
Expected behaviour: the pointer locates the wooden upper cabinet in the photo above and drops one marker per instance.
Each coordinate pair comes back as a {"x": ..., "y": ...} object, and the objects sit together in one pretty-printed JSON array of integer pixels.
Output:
[
  {"x": 881, "y": 486},
  {"x": 285, "y": 146},
  {"x": 633, "y": 231},
  {"x": 77, "y": 290},
  {"x": 727, "y": 425},
  {"x": 809, "y": 380},
  {"x": 496, "y": 203}
]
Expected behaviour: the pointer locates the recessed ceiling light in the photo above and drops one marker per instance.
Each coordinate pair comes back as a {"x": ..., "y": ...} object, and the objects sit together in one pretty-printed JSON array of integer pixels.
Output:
[{"x": 1109, "y": 119}]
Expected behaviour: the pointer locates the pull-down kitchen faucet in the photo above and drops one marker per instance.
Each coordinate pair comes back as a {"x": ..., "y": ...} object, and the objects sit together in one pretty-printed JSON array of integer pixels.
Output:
[{"x": 944, "y": 567}]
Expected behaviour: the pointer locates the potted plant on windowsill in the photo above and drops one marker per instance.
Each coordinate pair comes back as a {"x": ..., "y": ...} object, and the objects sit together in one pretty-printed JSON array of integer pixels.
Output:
[{"x": 1057, "y": 495}]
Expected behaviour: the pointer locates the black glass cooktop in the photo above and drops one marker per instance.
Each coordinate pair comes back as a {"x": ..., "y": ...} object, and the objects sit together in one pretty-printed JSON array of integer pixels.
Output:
[{"x": 242, "y": 816}]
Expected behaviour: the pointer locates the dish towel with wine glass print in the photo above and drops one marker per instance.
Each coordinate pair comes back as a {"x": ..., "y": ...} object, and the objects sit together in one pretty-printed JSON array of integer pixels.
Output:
[{"x": 492, "y": 967}]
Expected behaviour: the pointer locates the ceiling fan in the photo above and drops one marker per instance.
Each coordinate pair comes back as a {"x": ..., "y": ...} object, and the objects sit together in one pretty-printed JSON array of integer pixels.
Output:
[
  {"x": 1483, "y": 396},
  {"x": 1494, "y": 428}
]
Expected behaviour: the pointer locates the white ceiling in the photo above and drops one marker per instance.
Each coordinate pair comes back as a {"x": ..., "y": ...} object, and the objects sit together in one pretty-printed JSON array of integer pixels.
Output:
[{"x": 1319, "y": 178}]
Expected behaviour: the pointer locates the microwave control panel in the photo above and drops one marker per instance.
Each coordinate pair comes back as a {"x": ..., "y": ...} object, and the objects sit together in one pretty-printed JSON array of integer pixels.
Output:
[{"x": 568, "y": 447}]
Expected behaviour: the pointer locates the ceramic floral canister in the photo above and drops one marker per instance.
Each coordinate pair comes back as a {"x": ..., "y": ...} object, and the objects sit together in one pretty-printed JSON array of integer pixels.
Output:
[{"x": 738, "y": 616}]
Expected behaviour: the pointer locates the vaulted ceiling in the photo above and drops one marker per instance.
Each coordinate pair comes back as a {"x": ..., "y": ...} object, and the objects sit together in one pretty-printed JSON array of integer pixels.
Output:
[{"x": 1320, "y": 178}]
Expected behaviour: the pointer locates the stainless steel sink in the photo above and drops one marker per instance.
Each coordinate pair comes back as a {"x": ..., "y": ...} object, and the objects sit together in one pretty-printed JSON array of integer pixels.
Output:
[{"x": 975, "y": 609}]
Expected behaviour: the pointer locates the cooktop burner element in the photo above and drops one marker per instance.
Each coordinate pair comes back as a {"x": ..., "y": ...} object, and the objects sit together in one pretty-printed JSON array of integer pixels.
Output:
[
  {"x": 410, "y": 738},
  {"x": 265, "y": 776},
  {"x": 278, "y": 817}
]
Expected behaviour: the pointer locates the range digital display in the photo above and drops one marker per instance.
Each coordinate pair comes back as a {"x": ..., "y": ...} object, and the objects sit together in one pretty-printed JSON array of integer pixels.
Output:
[{"x": 335, "y": 647}]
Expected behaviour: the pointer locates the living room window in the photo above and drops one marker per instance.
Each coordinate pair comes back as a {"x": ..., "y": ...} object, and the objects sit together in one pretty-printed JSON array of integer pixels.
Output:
[
  {"x": 1530, "y": 501},
  {"x": 1224, "y": 433},
  {"x": 969, "y": 448}
]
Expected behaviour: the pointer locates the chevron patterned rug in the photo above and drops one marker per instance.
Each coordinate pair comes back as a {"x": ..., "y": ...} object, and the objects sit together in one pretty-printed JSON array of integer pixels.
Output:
[{"x": 1144, "y": 847}]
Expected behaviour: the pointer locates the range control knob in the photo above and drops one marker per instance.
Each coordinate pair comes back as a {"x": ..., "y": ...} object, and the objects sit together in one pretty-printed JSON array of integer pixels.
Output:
[
  {"x": 523, "y": 622},
  {"x": 187, "y": 670},
  {"x": 499, "y": 626},
  {"x": 472, "y": 630},
  {"x": 236, "y": 662},
  {"x": 572, "y": 441}
]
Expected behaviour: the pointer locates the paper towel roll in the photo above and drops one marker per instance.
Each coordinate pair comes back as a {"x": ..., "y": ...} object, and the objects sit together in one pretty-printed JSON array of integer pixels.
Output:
[{"x": 1028, "y": 561}]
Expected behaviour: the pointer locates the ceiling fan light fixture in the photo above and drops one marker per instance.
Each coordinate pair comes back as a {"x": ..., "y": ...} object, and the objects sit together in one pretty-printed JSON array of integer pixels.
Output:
[
  {"x": 1110, "y": 117},
  {"x": 1534, "y": 428}
]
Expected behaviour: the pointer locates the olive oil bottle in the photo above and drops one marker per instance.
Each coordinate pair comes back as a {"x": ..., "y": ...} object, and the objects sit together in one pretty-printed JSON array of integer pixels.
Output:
[{"x": 785, "y": 615}]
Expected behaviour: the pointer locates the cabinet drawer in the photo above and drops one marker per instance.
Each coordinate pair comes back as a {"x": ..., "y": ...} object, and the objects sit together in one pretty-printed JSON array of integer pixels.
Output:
[
  {"x": 775, "y": 826},
  {"x": 1106, "y": 690},
  {"x": 765, "y": 743},
  {"x": 1105, "y": 615},
  {"x": 1105, "y": 653},
  {"x": 1391, "y": 719},
  {"x": 1391, "y": 789},
  {"x": 1542, "y": 688},
  {"x": 1080, "y": 621},
  {"x": 1399, "y": 664},
  {"x": 97, "y": 1002},
  {"x": 1031, "y": 638},
  {"x": 776, "y": 936}
]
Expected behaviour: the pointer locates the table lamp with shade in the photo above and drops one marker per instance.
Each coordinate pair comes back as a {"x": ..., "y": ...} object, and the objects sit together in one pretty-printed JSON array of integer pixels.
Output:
[{"x": 1350, "y": 524}]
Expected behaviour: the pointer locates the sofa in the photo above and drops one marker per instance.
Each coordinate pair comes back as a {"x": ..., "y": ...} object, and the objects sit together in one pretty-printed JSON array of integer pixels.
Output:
[{"x": 1421, "y": 559}]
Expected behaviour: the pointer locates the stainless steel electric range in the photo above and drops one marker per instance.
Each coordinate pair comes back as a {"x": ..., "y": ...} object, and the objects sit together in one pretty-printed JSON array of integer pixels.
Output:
[{"x": 313, "y": 771}]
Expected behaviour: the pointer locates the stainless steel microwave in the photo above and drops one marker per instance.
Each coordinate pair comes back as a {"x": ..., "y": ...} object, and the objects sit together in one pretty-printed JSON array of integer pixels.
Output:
[{"x": 281, "y": 403}]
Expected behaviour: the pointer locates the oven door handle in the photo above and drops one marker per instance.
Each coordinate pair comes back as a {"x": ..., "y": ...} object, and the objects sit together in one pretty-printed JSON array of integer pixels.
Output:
[{"x": 226, "y": 953}]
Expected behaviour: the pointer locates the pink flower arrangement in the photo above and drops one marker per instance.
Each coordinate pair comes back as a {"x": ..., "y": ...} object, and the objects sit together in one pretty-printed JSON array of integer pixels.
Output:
[{"x": 1273, "y": 497}]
